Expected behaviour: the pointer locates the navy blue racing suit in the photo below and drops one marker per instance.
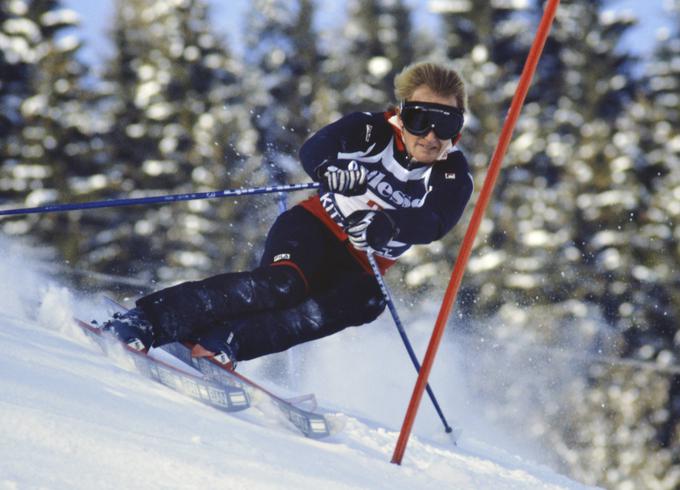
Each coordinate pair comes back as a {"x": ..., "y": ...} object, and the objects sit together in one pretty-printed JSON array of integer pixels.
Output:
[{"x": 311, "y": 281}]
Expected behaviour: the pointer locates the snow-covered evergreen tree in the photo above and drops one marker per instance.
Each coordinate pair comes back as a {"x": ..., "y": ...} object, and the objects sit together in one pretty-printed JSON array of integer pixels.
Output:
[
  {"x": 604, "y": 178},
  {"x": 559, "y": 165},
  {"x": 177, "y": 125},
  {"x": 16, "y": 58},
  {"x": 376, "y": 43},
  {"x": 49, "y": 133},
  {"x": 658, "y": 166},
  {"x": 566, "y": 210},
  {"x": 283, "y": 63},
  {"x": 573, "y": 236},
  {"x": 647, "y": 298}
]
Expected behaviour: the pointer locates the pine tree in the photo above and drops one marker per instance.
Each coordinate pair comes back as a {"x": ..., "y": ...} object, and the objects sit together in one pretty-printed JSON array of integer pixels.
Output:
[
  {"x": 601, "y": 173},
  {"x": 377, "y": 42},
  {"x": 657, "y": 166},
  {"x": 559, "y": 263},
  {"x": 572, "y": 218},
  {"x": 177, "y": 125},
  {"x": 650, "y": 316},
  {"x": 543, "y": 239},
  {"x": 49, "y": 137},
  {"x": 284, "y": 64},
  {"x": 16, "y": 59}
]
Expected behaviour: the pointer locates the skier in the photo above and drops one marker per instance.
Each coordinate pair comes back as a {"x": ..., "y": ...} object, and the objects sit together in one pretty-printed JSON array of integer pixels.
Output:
[{"x": 388, "y": 181}]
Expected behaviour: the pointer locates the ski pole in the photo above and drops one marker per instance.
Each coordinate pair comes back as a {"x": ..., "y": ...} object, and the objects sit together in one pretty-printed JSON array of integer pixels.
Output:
[
  {"x": 402, "y": 333},
  {"x": 112, "y": 203}
]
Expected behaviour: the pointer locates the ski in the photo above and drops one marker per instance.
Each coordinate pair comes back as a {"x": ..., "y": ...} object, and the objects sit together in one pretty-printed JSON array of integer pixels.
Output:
[
  {"x": 228, "y": 397},
  {"x": 312, "y": 425}
]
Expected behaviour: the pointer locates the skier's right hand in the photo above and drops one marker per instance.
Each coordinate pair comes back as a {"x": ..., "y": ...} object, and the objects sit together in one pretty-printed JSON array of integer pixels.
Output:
[
  {"x": 351, "y": 181},
  {"x": 372, "y": 229}
]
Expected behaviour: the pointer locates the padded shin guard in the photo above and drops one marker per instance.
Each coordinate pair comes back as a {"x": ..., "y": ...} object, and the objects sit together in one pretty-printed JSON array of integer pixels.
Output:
[{"x": 180, "y": 311}]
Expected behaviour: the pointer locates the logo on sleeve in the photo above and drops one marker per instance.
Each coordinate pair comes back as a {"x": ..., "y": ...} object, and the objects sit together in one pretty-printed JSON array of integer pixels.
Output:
[
  {"x": 449, "y": 176},
  {"x": 281, "y": 257},
  {"x": 369, "y": 130}
]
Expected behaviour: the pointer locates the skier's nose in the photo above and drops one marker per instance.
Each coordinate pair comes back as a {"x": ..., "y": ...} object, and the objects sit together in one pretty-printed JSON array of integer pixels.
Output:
[{"x": 430, "y": 136}]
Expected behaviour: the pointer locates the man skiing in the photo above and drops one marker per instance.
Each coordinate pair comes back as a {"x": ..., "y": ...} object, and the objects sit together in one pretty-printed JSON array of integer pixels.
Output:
[{"x": 388, "y": 181}]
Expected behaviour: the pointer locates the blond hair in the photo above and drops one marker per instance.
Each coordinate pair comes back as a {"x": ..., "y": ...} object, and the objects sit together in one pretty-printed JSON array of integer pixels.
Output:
[{"x": 439, "y": 78}]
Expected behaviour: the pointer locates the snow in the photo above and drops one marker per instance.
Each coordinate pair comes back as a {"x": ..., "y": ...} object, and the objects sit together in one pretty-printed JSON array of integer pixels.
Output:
[
  {"x": 61, "y": 16},
  {"x": 486, "y": 261},
  {"x": 73, "y": 418},
  {"x": 450, "y": 6}
]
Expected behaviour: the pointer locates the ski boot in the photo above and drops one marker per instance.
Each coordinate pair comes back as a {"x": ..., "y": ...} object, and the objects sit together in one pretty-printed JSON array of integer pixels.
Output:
[
  {"x": 218, "y": 343},
  {"x": 131, "y": 328}
]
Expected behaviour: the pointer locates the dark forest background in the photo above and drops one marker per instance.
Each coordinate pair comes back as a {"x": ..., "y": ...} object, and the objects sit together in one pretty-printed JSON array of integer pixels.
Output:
[{"x": 577, "y": 263}]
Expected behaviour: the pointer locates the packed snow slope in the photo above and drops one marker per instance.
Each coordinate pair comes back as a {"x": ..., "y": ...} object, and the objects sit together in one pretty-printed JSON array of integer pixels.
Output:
[{"x": 73, "y": 418}]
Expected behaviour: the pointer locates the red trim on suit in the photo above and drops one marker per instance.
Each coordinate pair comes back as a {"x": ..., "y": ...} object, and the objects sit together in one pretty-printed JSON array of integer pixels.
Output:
[
  {"x": 292, "y": 264},
  {"x": 313, "y": 205}
]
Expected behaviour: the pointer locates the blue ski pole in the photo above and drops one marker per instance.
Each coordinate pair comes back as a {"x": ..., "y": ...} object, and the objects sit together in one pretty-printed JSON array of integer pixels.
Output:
[
  {"x": 402, "y": 333},
  {"x": 165, "y": 199}
]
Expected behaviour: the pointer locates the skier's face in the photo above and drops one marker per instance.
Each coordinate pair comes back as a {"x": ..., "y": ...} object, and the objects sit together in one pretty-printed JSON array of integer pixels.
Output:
[{"x": 426, "y": 148}]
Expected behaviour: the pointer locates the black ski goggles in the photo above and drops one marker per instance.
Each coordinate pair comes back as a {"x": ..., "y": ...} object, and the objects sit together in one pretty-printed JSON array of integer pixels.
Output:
[{"x": 420, "y": 118}]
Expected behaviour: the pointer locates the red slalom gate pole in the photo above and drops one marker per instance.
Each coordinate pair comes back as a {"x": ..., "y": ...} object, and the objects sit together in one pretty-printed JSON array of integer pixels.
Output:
[{"x": 475, "y": 222}]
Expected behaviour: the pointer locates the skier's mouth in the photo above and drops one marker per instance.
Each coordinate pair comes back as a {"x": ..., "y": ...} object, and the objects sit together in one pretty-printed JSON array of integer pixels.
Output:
[{"x": 428, "y": 148}]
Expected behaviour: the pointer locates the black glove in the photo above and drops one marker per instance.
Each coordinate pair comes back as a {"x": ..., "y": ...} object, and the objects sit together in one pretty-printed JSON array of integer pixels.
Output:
[
  {"x": 370, "y": 229},
  {"x": 350, "y": 181}
]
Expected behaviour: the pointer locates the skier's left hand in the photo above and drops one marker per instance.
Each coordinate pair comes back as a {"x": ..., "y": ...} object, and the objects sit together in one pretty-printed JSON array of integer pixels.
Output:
[{"x": 370, "y": 229}]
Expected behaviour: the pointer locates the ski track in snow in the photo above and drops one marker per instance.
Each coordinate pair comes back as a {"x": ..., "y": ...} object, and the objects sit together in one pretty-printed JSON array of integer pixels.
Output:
[{"x": 73, "y": 418}]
